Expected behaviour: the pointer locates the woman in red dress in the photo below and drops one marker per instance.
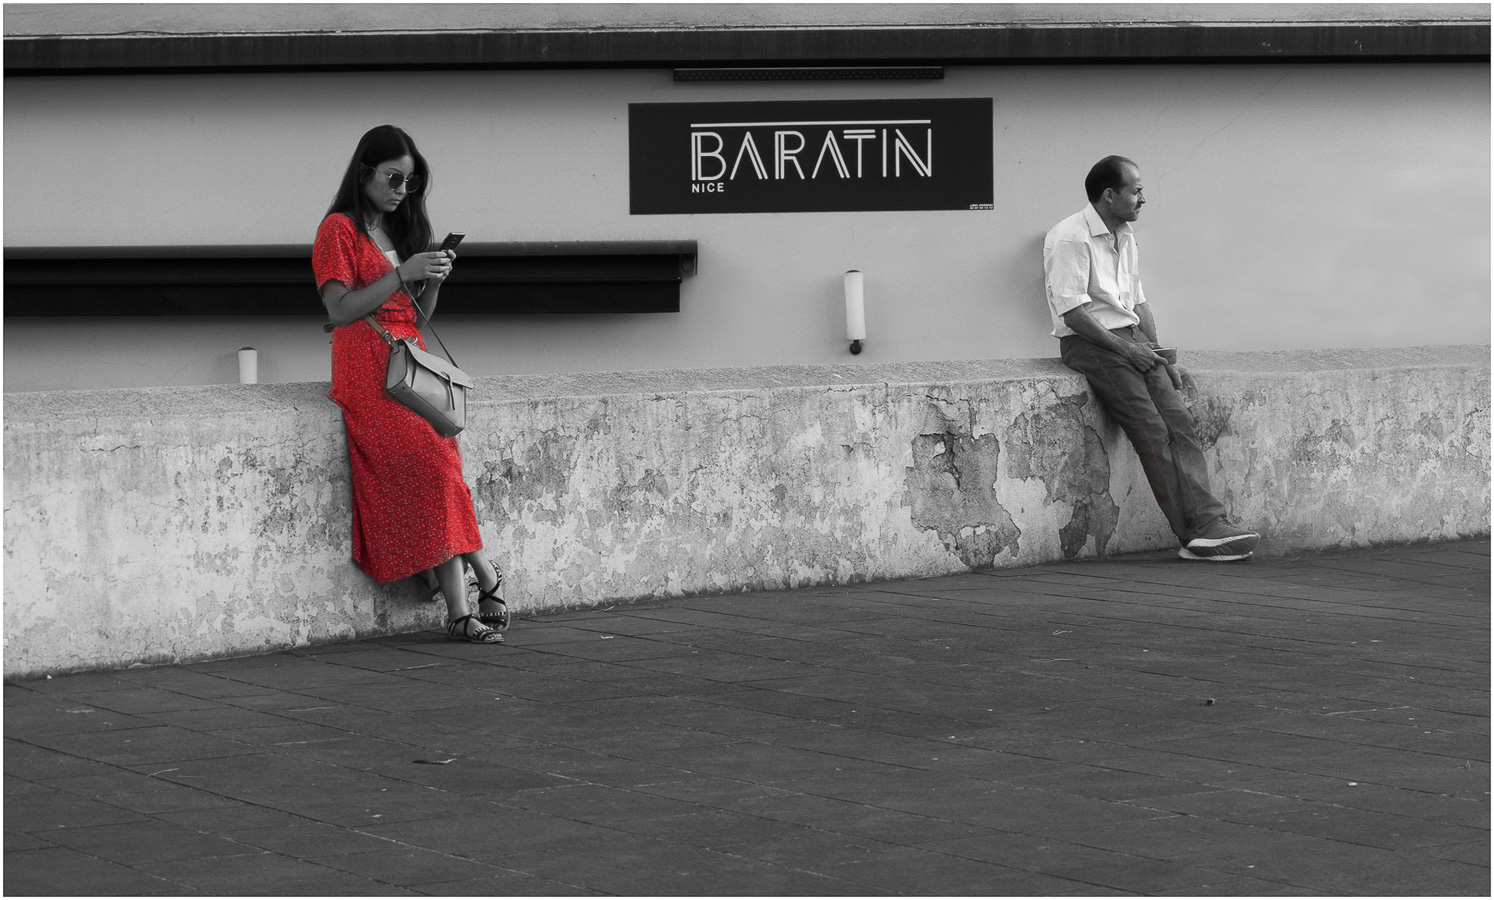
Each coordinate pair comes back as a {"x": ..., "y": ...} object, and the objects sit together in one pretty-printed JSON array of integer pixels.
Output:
[{"x": 411, "y": 510}]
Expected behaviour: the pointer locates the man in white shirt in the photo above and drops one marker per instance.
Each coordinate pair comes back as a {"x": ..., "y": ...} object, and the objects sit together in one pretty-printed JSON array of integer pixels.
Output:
[{"x": 1106, "y": 332}]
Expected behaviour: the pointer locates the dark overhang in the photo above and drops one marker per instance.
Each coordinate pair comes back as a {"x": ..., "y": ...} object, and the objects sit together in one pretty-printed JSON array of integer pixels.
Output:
[
  {"x": 493, "y": 278},
  {"x": 1458, "y": 40}
]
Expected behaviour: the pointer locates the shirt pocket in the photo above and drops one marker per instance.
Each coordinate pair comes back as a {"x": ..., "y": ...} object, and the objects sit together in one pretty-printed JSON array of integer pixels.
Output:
[{"x": 1127, "y": 278}]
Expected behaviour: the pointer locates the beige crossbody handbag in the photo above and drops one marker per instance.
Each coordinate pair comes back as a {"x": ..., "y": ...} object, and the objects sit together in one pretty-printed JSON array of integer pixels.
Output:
[{"x": 430, "y": 386}]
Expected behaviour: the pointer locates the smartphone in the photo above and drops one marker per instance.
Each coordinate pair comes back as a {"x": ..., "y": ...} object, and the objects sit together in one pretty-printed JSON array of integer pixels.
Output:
[{"x": 452, "y": 240}]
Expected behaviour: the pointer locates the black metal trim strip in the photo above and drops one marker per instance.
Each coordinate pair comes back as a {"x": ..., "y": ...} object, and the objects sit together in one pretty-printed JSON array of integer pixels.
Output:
[
  {"x": 813, "y": 46},
  {"x": 811, "y": 73}
]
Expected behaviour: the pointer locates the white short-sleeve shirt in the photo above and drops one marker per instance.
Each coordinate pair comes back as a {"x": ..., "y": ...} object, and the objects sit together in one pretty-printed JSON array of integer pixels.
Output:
[{"x": 1085, "y": 264}]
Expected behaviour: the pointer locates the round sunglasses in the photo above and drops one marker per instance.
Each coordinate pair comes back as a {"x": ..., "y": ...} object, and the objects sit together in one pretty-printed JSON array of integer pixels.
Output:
[{"x": 395, "y": 179}]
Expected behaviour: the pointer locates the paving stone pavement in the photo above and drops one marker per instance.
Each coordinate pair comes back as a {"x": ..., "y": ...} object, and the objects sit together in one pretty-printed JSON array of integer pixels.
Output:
[{"x": 1314, "y": 725}]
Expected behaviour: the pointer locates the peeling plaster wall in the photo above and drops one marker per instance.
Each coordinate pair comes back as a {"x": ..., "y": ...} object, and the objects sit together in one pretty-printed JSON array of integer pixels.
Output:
[{"x": 160, "y": 525}]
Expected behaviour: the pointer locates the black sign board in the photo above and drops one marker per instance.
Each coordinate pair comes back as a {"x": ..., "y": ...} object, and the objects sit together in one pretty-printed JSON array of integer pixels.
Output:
[{"x": 809, "y": 156}]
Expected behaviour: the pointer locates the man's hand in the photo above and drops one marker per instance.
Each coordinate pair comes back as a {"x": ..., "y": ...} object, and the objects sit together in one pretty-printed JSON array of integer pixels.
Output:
[
  {"x": 1181, "y": 377},
  {"x": 1141, "y": 357},
  {"x": 1138, "y": 356}
]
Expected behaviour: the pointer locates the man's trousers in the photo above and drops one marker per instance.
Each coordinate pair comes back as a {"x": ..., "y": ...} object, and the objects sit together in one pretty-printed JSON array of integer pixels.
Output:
[{"x": 1151, "y": 412}]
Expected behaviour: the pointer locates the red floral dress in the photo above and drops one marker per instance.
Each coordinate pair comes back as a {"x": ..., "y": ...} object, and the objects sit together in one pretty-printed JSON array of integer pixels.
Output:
[{"x": 411, "y": 509}]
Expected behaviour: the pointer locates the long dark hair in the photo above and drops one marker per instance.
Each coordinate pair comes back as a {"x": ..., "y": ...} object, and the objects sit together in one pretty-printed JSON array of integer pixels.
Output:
[{"x": 409, "y": 227}]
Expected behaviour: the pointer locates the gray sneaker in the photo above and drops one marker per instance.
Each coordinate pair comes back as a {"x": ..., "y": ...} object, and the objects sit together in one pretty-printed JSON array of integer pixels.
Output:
[
  {"x": 1221, "y": 539},
  {"x": 1185, "y": 553}
]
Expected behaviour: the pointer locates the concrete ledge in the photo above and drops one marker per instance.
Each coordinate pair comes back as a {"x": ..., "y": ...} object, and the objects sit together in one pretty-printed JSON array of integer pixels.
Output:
[{"x": 163, "y": 525}]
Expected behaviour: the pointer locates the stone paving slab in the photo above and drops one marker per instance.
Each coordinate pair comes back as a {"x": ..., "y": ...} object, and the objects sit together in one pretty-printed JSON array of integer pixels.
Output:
[{"x": 1314, "y": 725}]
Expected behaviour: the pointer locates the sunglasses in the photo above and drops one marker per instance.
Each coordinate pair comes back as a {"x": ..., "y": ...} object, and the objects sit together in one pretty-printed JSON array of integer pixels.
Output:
[{"x": 395, "y": 179}]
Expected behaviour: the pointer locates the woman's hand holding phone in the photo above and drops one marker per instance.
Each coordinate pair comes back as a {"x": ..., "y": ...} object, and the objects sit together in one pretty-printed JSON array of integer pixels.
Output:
[
  {"x": 445, "y": 256},
  {"x": 432, "y": 265}
]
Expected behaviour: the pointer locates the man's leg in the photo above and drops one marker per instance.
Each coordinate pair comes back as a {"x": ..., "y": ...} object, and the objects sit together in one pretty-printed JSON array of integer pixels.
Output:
[
  {"x": 1200, "y": 508},
  {"x": 1161, "y": 429}
]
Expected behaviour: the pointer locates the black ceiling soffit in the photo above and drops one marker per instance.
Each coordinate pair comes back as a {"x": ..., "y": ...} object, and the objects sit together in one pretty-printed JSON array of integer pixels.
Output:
[{"x": 702, "y": 48}]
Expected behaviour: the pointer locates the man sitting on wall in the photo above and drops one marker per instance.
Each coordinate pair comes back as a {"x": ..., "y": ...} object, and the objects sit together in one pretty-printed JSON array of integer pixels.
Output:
[{"x": 1106, "y": 332}]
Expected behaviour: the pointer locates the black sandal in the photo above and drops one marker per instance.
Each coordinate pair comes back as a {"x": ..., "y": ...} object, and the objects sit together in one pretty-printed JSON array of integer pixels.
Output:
[
  {"x": 457, "y": 631},
  {"x": 498, "y": 621}
]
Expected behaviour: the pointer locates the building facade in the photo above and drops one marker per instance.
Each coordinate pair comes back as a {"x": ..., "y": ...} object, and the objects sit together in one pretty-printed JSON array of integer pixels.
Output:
[{"x": 1317, "y": 177}]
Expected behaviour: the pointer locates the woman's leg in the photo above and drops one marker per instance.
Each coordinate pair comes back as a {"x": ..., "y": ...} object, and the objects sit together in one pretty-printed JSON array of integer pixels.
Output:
[
  {"x": 486, "y": 572},
  {"x": 453, "y": 578},
  {"x": 453, "y": 584},
  {"x": 491, "y": 608}
]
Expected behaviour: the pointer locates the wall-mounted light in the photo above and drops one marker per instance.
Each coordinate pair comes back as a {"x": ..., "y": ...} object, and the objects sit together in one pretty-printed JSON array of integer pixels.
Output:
[{"x": 855, "y": 310}]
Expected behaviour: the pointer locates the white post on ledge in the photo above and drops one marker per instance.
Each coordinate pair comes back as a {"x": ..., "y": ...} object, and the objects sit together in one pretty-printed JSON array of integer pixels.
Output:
[{"x": 248, "y": 366}]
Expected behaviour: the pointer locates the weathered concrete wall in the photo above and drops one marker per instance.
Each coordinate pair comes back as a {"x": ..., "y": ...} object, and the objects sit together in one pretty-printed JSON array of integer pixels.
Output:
[{"x": 169, "y": 524}]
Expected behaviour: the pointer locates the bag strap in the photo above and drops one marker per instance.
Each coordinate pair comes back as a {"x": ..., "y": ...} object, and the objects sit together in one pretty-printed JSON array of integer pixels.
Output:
[
  {"x": 415, "y": 302},
  {"x": 390, "y": 339},
  {"x": 429, "y": 327}
]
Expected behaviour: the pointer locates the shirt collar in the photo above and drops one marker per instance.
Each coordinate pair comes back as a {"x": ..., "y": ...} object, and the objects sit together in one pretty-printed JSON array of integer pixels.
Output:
[{"x": 1097, "y": 227}]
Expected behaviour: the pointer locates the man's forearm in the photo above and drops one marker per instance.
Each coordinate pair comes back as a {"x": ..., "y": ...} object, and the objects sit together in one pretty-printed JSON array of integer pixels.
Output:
[
  {"x": 1088, "y": 327},
  {"x": 1148, "y": 324}
]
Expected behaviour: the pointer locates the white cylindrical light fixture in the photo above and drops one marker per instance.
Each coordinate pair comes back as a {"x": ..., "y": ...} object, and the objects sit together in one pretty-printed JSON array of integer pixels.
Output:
[
  {"x": 855, "y": 310},
  {"x": 248, "y": 366}
]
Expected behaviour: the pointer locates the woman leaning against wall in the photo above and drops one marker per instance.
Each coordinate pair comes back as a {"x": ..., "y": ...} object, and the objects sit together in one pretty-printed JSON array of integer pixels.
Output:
[{"x": 412, "y": 512}]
